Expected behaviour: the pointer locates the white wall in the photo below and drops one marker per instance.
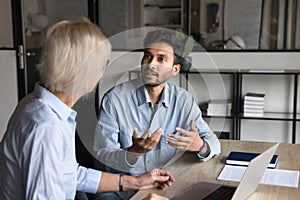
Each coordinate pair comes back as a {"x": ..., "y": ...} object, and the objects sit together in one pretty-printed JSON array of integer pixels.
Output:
[
  {"x": 8, "y": 87},
  {"x": 249, "y": 60}
]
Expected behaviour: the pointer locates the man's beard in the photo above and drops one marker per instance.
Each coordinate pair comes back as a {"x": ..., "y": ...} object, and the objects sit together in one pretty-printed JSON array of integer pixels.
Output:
[
  {"x": 155, "y": 84},
  {"x": 152, "y": 84}
]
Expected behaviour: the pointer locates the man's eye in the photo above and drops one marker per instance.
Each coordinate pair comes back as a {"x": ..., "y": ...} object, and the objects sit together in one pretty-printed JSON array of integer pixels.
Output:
[
  {"x": 161, "y": 59},
  {"x": 148, "y": 57}
]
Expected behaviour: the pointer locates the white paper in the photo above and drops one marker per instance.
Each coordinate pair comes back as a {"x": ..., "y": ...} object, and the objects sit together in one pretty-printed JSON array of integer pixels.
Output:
[{"x": 278, "y": 177}]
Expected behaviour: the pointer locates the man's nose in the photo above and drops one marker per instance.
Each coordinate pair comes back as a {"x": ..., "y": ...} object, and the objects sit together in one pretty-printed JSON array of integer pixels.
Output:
[{"x": 153, "y": 63}]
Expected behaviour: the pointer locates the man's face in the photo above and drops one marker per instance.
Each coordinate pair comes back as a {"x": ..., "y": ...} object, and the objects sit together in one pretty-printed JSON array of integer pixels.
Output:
[{"x": 158, "y": 64}]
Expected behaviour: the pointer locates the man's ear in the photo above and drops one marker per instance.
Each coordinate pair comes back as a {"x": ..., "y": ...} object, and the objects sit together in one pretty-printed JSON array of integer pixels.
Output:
[{"x": 176, "y": 69}]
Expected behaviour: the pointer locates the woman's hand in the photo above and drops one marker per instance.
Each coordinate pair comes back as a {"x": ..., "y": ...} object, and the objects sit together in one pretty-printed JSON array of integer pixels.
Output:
[{"x": 157, "y": 178}]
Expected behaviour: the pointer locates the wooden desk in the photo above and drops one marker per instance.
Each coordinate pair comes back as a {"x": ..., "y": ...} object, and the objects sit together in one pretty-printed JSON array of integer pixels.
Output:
[{"x": 188, "y": 170}]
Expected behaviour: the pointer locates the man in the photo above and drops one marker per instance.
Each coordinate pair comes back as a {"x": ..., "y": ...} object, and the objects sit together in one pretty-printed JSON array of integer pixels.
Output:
[
  {"x": 37, "y": 153},
  {"x": 148, "y": 122}
]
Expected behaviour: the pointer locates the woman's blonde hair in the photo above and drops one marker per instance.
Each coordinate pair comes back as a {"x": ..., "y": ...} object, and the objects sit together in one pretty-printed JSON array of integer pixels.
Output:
[{"x": 66, "y": 46}]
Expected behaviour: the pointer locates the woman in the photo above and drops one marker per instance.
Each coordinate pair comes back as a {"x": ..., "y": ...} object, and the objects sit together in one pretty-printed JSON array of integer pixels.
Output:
[{"x": 37, "y": 153}]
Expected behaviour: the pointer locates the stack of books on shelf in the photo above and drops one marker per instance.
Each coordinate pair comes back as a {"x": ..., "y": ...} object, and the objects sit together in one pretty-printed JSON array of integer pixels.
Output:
[
  {"x": 217, "y": 108},
  {"x": 254, "y": 104}
]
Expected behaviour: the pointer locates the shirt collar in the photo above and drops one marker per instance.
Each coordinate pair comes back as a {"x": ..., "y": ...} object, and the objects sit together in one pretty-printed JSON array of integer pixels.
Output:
[
  {"x": 165, "y": 98},
  {"x": 143, "y": 97},
  {"x": 60, "y": 108}
]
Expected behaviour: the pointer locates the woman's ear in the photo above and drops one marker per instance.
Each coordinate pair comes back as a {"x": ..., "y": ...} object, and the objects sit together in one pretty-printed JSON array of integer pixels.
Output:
[{"x": 176, "y": 69}]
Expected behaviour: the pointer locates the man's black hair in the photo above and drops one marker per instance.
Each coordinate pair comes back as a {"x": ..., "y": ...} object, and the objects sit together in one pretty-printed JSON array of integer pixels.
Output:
[{"x": 166, "y": 36}]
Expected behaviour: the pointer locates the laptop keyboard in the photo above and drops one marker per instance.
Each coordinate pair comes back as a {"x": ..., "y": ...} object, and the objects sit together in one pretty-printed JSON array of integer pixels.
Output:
[{"x": 223, "y": 192}]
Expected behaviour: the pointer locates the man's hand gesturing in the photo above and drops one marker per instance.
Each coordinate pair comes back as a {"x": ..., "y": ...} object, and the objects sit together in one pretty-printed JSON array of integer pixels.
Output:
[{"x": 144, "y": 144}]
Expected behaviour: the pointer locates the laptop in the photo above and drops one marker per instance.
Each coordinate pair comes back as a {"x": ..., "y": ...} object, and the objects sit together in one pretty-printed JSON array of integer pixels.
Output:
[{"x": 246, "y": 187}]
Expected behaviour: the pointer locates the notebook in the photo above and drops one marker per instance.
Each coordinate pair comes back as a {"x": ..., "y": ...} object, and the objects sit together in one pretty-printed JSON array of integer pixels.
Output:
[
  {"x": 246, "y": 187},
  {"x": 243, "y": 159}
]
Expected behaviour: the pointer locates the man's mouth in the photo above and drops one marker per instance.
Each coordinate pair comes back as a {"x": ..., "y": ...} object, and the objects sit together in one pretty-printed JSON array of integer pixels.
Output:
[{"x": 150, "y": 74}]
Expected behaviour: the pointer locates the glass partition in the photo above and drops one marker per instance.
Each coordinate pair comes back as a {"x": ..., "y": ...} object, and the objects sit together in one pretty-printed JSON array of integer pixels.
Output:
[{"x": 218, "y": 25}]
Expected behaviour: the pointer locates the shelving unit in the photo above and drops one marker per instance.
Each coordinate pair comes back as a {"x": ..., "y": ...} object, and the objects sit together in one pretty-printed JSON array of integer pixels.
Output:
[
  {"x": 285, "y": 116},
  {"x": 288, "y": 115},
  {"x": 163, "y": 13}
]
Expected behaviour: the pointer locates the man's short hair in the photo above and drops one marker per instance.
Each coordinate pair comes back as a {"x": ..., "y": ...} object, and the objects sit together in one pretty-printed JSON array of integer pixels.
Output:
[{"x": 166, "y": 36}]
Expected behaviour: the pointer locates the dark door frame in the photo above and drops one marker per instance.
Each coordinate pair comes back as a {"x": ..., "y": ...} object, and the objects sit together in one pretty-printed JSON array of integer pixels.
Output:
[{"x": 18, "y": 46}]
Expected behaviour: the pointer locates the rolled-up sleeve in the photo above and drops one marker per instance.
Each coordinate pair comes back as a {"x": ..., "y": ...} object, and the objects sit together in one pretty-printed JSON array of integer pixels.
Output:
[{"x": 88, "y": 179}]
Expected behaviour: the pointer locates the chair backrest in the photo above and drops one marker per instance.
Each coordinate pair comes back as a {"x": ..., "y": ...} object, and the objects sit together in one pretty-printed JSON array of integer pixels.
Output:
[{"x": 83, "y": 156}]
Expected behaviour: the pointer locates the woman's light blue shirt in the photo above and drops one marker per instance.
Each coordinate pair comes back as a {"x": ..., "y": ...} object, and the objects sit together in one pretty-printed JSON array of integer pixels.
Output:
[{"x": 37, "y": 153}]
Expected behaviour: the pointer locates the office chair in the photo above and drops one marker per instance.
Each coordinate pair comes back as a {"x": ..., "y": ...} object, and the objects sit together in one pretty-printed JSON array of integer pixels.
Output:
[{"x": 83, "y": 156}]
